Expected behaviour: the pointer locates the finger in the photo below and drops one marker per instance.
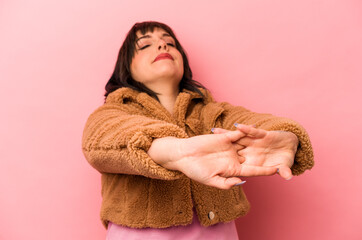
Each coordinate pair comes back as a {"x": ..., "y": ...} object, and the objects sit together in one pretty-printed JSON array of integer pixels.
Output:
[
  {"x": 251, "y": 131},
  {"x": 285, "y": 172},
  {"x": 238, "y": 146},
  {"x": 234, "y": 136},
  {"x": 218, "y": 130},
  {"x": 252, "y": 171},
  {"x": 232, "y": 181},
  {"x": 241, "y": 159},
  {"x": 246, "y": 142},
  {"x": 223, "y": 183},
  {"x": 241, "y": 153}
]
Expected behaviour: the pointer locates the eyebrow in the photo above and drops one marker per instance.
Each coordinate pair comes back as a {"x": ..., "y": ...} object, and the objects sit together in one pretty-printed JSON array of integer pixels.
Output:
[{"x": 148, "y": 36}]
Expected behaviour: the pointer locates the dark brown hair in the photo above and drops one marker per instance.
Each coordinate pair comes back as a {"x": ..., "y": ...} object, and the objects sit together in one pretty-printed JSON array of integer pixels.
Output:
[{"x": 121, "y": 76}]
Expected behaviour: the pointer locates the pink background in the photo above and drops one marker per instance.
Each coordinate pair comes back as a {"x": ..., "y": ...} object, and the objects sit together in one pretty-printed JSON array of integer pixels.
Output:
[{"x": 298, "y": 59}]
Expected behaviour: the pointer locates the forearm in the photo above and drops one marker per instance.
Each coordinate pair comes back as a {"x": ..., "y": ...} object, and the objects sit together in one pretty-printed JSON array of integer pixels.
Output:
[{"x": 165, "y": 151}]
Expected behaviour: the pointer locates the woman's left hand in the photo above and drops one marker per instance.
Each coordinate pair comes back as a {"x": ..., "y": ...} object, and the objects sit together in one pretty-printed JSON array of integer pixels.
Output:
[{"x": 267, "y": 148}]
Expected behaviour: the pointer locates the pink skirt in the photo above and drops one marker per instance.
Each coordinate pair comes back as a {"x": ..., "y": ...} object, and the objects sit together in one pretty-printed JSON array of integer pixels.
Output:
[{"x": 220, "y": 231}]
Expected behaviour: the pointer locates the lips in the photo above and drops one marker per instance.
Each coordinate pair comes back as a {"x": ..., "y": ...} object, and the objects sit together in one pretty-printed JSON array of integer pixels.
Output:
[{"x": 163, "y": 56}]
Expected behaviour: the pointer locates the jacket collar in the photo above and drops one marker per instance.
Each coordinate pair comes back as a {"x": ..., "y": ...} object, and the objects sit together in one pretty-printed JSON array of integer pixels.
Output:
[{"x": 183, "y": 100}]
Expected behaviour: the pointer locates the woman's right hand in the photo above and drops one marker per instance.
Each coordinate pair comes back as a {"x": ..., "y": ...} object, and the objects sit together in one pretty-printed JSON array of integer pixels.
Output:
[{"x": 212, "y": 159}]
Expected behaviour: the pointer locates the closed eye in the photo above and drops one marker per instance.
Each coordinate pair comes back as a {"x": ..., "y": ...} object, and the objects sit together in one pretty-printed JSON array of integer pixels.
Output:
[
  {"x": 171, "y": 44},
  {"x": 145, "y": 46}
]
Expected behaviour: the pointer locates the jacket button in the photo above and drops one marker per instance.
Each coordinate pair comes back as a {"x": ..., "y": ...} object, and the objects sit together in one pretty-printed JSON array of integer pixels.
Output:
[{"x": 211, "y": 215}]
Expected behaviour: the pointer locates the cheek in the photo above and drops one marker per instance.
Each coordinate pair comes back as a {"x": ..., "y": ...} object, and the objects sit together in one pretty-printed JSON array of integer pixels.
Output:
[
  {"x": 136, "y": 65},
  {"x": 181, "y": 64},
  {"x": 134, "y": 62}
]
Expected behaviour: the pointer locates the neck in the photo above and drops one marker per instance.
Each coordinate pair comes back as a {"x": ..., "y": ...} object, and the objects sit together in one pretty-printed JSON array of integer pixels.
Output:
[
  {"x": 168, "y": 101},
  {"x": 167, "y": 95}
]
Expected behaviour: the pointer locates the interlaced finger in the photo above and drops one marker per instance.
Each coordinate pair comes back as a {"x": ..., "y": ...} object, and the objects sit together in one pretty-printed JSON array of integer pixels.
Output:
[
  {"x": 245, "y": 142},
  {"x": 238, "y": 146},
  {"x": 251, "y": 131},
  {"x": 252, "y": 171}
]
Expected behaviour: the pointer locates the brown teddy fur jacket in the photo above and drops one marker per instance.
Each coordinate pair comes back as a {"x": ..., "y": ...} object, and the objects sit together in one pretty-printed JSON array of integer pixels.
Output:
[{"x": 139, "y": 193}]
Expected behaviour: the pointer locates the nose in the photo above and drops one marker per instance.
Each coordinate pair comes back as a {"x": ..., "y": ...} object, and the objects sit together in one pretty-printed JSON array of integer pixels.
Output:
[{"x": 162, "y": 45}]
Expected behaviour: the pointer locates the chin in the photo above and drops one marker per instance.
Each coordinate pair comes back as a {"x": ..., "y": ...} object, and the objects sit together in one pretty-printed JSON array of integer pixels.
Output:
[{"x": 171, "y": 73}]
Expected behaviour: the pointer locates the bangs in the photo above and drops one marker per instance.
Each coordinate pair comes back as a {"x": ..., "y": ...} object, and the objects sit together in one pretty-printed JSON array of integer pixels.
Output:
[{"x": 145, "y": 27}]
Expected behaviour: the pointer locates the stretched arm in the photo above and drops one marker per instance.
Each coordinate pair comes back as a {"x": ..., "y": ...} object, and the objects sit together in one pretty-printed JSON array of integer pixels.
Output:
[
  {"x": 115, "y": 141},
  {"x": 209, "y": 159}
]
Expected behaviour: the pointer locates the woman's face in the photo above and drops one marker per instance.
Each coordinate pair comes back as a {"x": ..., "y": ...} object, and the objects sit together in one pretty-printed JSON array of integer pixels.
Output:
[{"x": 156, "y": 59}]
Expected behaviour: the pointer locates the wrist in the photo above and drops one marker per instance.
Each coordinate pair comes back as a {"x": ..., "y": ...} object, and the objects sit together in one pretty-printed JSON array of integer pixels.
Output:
[
  {"x": 166, "y": 151},
  {"x": 294, "y": 139}
]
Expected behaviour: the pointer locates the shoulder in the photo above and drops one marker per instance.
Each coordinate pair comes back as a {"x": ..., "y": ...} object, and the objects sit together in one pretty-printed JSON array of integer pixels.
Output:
[
  {"x": 120, "y": 102},
  {"x": 123, "y": 95}
]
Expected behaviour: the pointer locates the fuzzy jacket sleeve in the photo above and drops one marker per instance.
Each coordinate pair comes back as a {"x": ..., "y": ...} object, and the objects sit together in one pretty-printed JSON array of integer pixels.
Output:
[
  {"x": 228, "y": 115},
  {"x": 115, "y": 141}
]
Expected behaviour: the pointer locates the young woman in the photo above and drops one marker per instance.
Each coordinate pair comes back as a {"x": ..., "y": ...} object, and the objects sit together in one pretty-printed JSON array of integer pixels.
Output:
[{"x": 171, "y": 158}]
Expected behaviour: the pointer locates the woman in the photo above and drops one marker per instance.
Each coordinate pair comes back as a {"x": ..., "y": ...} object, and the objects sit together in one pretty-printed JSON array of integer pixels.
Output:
[{"x": 164, "y": 173}]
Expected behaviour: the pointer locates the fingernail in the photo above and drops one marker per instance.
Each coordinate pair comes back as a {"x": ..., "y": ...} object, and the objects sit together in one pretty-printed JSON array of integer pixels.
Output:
[
  {"x": 212, "y": 129},
  {"x": 236, "y": 124},
  {"x": 277, "y": 170},
  {"x": 240, "y": 183},
  {"x": 289, "y": 178}
]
